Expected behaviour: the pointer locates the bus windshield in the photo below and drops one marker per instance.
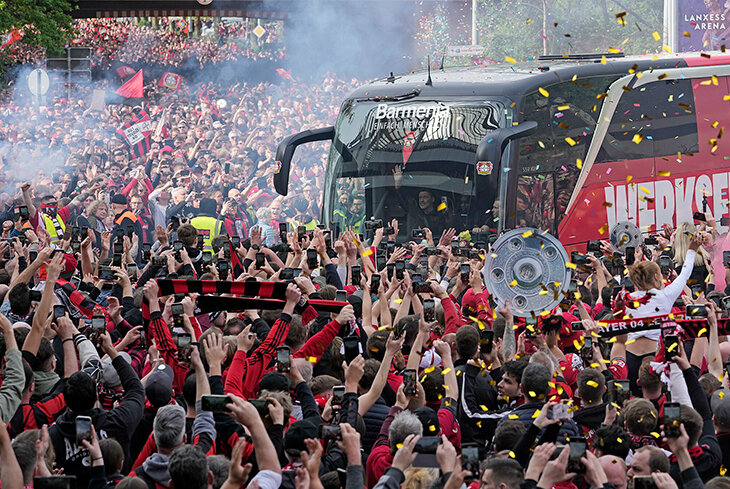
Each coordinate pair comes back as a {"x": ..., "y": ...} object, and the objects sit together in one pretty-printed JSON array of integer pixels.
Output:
[{"x": 413, "y": 161}]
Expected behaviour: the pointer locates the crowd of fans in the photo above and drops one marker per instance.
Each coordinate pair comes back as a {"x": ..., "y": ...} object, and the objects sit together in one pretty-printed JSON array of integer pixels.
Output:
[{"x": 373, "y": 360}]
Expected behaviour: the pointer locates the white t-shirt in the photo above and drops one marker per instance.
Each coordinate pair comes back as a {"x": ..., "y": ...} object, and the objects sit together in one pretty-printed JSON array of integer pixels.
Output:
[{"x": 662, "y": 300}]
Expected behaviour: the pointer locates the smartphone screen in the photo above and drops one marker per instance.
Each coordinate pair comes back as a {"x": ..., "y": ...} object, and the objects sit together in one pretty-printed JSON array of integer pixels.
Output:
[
  {"x": 177, "y": 309},
  {"x": 341, "y": 296},
  {"x": 671, "y": 346},
  {"x": 671, "y": 419},
  {"x": 183, "y": 340},
  {"x": 429, "y": 310},
  {"x": 215, "y": 403},
  {"x": 465, "y": 271},
  {"x": 696, "y": 310},
  {"x": 586, "y": 352},
  {"x": 118, "y": 247},
  {"x": 283, "y": 359},
  {"x": 338, "y": 396},
  {"x": 486, "y": 340},
  {"x": 312, "y": 259},
  {"x": 98, "y": 323},
  {"x": 352, "y": 348},
  {"x": 577, "y": 449},
  {"x": 83, "y": 429},
  {"x": 400, "y": 269},
  {"x": 356, "y": 275},
  {"x": 643, "y": 482},
  {"x": 374, "y": 283},
  {"x": 58, "y": 311},
  {"x": 260, "y": 260},
  {"x": 409, "y": 382},
  {"x": 470, "y": 459}
]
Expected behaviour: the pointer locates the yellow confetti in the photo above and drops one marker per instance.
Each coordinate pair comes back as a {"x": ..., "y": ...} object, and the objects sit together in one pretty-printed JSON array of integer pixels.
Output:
[
  {"x": 629, "y": 178},
  {"x": 656, "y": 36},
  {"x": 564, "y": 107},
  {"x": 367, "y": 252},
  {"x": 579, "y": 163},
  {"x": 441, "y": 206},
  {"x": 571, "y": 265},
  {"x": 536, "y": 414},
  {"x": 543, "y": 92},
  {"x": 603, "y": 60},
  {"x": 726, "y": 97},
  {"x": 664, "y": 173},
  {"x": 446, "y": 370},
  {"x": 701, "y": 332},
  {"x": 512, "y": 454},
  {"x": 570, "y": 141},
  {"x": 592, "y": 383},
  {"x": 614, "y": 50},
  {"x": 527, "y": 234},
  {"x": 723, "y": 470},
  {"x": 510, "y": 60},
  {"x": 483, "y": 407},
  {"x": 398, "y": 445},
  {"x": 603, "y": 229},
  {"x": 513, "y": 283},
  {"x": 714, "y": 80},
  {"x": 644, "y": 189},
  {"x": 431, "y": 428},
  {"x": 637, "y": 138},
  {"x": 429, "y": 370},
  {"x": 312, "y": 359},
  {"x": 655, "y": 434}
]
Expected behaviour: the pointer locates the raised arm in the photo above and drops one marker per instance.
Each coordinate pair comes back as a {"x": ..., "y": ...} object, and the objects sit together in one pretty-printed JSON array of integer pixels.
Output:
[
  {"x": 368, "y": 399},
  {"x": 48, "y": 297}
]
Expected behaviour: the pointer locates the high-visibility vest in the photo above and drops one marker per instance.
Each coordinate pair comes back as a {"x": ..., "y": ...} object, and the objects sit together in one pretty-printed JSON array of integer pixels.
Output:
[
  {"x": 309, "y": 226},
  {"x": 209, "y": 228},
  {"x": 51, "y": 224},
  {"x": 357, "y": 226}
]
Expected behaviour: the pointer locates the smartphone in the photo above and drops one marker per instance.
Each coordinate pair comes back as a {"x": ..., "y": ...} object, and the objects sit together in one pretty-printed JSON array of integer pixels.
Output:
[
  {"x": 409, "y": 382},
  {"x": 374, "y": 283},
  {"x": 341, "y": 296},
  {"x": 261, "y": 405},
  {"x": 146, "y": 251},
  {"x": 418, "y": 233},
  {"x": 671, "y": 419},
  {"x": 400, "y": 269},
  {"x": 426, "y": 451},
  {"x": 32, "y": 255},
  {"x": 98, "y": 323},
  {"x": 621, "y": 391},
  {"x": 179, "y": 297},
  {"x": 356, "y": 275},
  {"x": 207, "y": 259},
  {"x": 282, "y": 231},
  {"x": 235, "y": 241},
  {"x": 671, "y": 346},
  {"x": 76, "y": 281},
  {"x": 301, "y": 232},
  {"x": 330, "y": 432},
  {"x": 429, "y": 310},
  {"x": 75, "y": 246},
  {"x": 586, "y": 353},
  {"x": 283, "y": 359},
  {"x": 55, "y": 482},
  {"x": 59, "y": 311},
  {"x": 726, "y": 258},
  {"x": 215, "y": 403},
  {"x": 175, "y": 223},
  {"x": 465, "y": 271},
  {"x": 486, "y": 340},
  {"x": 352, "y": 348},
  {"x": 117, "y": 261},
  {"x": 177, "y": 309},
  {"x": 118, "y": 248},
  {"x": 577, "y": 326},
  {"x": 470, "y": 459},
  {"x": 530, "y": 327},
  {"x": 83, "y": 429},
  {"x": 222, "y": 266},
  {"x": 699, "y": 216},
  {"x": 560, "y": 411},
  {"x": 338, "y": 396},
  {"x": 312, "y": 259},
  {"x": 696, "y": 310},
  {"x": 22, "y": 212},
  {"x": 260, "y": 260},
  {"x": 183, "y": 340},
  {"x": 577, "y": 447},
  {"x": 643, "y": 482}
]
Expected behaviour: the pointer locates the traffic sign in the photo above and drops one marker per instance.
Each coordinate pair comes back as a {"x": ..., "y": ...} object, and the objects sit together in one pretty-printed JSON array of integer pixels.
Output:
[
  {"x": 38, "y": 82},
  {"x": 467, "y": 50}
]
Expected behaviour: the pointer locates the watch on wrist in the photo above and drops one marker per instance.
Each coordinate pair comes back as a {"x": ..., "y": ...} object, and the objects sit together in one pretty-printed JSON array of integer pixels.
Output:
[{"x": 255, "y": 247}]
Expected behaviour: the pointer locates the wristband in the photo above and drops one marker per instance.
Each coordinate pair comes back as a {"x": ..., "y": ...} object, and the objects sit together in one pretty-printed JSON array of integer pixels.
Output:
[{"x": 67, "y": 339}]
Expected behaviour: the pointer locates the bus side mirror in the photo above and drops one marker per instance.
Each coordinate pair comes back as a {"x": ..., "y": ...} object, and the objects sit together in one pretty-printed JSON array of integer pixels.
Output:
[
  {"x": 490, "y": 148},
  {"x": 285, "y": 152}
]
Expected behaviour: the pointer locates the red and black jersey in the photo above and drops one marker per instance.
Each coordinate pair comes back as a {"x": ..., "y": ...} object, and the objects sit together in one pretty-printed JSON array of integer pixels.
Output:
[{"x": 35, "y": 415}]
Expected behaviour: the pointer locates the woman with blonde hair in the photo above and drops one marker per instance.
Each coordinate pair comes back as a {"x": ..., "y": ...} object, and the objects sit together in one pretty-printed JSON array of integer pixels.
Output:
[
  {"x": 652, "y": 298},
  {"x": 702, "y": 267}
]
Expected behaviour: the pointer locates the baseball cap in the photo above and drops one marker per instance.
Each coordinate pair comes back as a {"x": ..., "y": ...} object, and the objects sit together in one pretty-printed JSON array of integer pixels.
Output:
[
  {"x": 274, "y": 381},
  {"x": 159, "y": 385},
  {"x": 720, "y": 403},
  {"x": 297, "y": 433},
  {"x": 109, "y": 376},
  {"x": 119, "y": 199}
]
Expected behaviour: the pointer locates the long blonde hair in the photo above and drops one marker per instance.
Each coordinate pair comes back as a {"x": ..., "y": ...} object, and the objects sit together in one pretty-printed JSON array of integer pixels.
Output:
[
  {"x": 419, "y": 478},
  {"x": 681, "y": 245}
]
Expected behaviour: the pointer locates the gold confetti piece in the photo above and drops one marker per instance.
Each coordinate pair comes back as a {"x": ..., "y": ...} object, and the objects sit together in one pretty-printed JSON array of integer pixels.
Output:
[
  {"x": 367, "y": 252},
  {"x": 701, "y": 332},
  {"x": 672, "y": 346},
  {"x": 664, "y": 173},
  {"x": 614, "y": 50},
  {"x": 637, "y": 138},
  {"x": 655, "y": 434},
  {"x": 512, "y": 454},
  {"x": 312, "y": 359},
  {"x": 579, "y": 163},
  {"x": 536, "y": 414},
  {"x": 629, "y": 178},
  {"x": 618, "y": 439},
  {"x": 510, "y": 60},
  {"x": 723, "y": 470},
  {"x": 570, "y": 141},
  {"x": 398, "y": 301},
  {"x": 431, "y": 428},
  {"x": 644, "y": 189},
  {"x": 603, "y": 229},
  {"x": 513, "y": 283},
  {"x": 483, "y": 407},
  {"x": 592, "y": 383},
  {"x": 531, "y": 394},
  {"x": 603, "y": 60},
  {"x": 446, "y": 371},
  {"x": 571, "y": 265},
  {"x": 527, "y": 234},
  {"x": 441, "y": 206},
  {"x": 428, "y": 370},
  {"x": 564, "y": 107},
  {"x": 714, "y": 80},
  {"x": 721, "y": 394},
  {"x": 543, "y": 92},
  {"x": 726, "y": 97},
  {"x": 398, "y": 445}
]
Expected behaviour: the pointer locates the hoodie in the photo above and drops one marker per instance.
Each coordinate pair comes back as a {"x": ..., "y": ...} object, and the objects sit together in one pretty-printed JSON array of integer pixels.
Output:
[{"x": 156, "y": 468}]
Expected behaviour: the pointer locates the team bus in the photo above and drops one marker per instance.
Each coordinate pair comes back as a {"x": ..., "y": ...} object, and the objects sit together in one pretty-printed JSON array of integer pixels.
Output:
[{"x": 571, "y": 145}]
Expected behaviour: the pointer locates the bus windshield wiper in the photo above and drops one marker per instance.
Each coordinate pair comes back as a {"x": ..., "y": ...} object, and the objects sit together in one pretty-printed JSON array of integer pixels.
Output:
[{"x": 392, "y": 98}]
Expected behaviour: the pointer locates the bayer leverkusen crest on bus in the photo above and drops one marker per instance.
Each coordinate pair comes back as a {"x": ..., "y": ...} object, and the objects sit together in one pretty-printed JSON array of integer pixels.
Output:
[{"x": 408, "y": 143}]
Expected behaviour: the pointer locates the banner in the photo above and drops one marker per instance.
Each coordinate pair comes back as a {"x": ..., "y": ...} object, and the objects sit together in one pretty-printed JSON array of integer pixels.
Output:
[
  {"x": 125, "y": 71},
  {"x": 703, "y": 25},
  {"x": 10, "y": 37},
  {"x": 136, "y": 133},
  {"x": 693, "y": 327},
  {"x": 132, "y": 88},
  {"x": 170, "y": 80}
]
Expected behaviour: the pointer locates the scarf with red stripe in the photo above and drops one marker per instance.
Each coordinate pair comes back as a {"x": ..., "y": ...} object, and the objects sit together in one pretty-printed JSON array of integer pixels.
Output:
[
  {"x": 694, "y": 453},
  {"x": 82, "y": 303},
  {"x": 269, "y": 295}
]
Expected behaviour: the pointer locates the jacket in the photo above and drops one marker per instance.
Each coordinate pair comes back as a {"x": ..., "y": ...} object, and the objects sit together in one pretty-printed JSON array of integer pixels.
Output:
[
  {"x": 13, "y": 384},
  {"x": 374, "y": 419},
  {"x": 476, "y": 391},
  {"x": 119, "y": 423}
]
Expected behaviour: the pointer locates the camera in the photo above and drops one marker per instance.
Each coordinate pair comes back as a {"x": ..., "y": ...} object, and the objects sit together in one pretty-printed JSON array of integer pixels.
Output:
[
  {"x": 433, "y": 251},
  {"x": 651, "y": 240},
  {"x": 593, "y": 246},
  {"x": 373, "y": 225}
]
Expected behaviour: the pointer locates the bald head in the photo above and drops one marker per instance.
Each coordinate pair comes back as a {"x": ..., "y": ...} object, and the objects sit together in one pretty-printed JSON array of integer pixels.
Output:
[{"x": 615, "y": 469}]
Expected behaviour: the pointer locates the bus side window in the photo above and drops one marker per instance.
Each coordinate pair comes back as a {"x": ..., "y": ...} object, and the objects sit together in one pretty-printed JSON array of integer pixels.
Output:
[{"x": 657, "y": 119}]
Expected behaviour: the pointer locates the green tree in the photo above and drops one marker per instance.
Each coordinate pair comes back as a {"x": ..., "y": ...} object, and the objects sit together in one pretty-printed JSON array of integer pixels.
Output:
[{"x": 50, "y": 20}]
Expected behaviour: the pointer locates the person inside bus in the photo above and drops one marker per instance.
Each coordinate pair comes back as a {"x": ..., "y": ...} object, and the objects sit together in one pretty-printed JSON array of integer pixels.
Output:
[
  {"x": 356, "y": 217},
  {"x": 427, "y": 214},
  {"x": 702, "y": 267},
  {"x": 652, "y": 298}
]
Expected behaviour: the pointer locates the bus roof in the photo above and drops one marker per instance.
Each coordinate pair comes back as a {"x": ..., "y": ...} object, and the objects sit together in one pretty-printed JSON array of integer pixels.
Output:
[{"x": 510, "y": 80}]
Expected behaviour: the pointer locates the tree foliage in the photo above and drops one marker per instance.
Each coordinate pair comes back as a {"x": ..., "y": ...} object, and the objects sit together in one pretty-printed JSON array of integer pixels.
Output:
[{"x": 50, "y": 20}]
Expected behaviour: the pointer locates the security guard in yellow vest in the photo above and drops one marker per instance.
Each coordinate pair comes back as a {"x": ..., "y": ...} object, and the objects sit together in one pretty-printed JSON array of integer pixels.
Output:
[
  {"x": 208, "y": 224},
  {"x": 52, "y": 221}
]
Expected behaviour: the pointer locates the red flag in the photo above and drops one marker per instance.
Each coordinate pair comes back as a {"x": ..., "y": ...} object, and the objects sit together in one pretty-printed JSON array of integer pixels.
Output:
[
  {"x": 286, "y": 75},
  {"x": 125, "y": 71},
  {"x": 181, "y": 24},
  {"x": 10, "y": 37},
  {"x": 170, "y": 80},
  {"x": 132, "y": 88},
  {"x": 408, "y": 146}
]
